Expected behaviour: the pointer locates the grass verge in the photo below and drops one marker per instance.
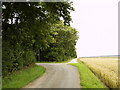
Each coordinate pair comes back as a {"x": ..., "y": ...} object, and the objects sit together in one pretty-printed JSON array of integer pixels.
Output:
[
  {"x": 87, "y": 78},
  {"x": 21, "y": 78}
]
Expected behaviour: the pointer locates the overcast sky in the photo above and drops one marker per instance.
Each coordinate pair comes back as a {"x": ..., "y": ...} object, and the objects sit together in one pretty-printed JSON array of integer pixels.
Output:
[{"x": 97, "y": 23}]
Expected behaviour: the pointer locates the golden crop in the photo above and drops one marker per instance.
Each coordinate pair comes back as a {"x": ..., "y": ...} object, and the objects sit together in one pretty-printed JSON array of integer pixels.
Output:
[{"x": 105, "y": 68}]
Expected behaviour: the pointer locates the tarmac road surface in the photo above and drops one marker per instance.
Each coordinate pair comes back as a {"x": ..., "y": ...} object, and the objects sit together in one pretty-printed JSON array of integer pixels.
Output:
[{"x": 60, "y": 75}]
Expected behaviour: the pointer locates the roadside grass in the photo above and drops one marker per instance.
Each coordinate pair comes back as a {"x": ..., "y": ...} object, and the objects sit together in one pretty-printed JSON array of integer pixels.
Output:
[
  {"x": 57, "y": 62},
  {"x": 87, "y": 78},
  {"x": 106, "y": 69},
  {"x": 23, "y": 77}
]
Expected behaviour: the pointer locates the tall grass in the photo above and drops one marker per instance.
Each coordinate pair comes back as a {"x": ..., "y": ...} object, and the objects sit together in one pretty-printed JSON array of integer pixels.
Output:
[
  {"x": 105, "y": 68},
  {"x": 87, "y": 78}
]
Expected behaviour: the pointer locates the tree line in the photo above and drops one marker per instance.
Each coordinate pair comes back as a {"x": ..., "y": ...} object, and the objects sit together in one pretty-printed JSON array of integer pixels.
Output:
[{"x": 34, "y": 31}]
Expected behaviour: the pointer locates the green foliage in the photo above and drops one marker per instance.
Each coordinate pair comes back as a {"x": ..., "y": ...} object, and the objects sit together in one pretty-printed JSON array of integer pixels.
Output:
[
  {"x": 28, "y": 34},
  {"x": 63, "y": 47},
  {"x": 16, "y": 58}
]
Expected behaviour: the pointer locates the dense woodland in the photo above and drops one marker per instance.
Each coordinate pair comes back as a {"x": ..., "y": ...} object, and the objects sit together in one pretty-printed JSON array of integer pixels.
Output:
[{"x": 34, "y": 31}]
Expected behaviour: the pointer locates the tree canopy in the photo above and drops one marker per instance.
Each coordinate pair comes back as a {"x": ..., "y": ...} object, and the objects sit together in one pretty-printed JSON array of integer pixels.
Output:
[
  {"x": 33, "y": 31},
  {"x": 63, "y": 47}
]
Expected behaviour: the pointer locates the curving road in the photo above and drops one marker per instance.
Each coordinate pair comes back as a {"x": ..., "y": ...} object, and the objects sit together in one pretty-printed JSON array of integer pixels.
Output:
[{"x": 59, "y": 75}]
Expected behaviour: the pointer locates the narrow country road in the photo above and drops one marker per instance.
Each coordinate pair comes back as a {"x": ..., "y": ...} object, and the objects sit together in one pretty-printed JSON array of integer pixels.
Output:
[{"x": 60, "y": 75}]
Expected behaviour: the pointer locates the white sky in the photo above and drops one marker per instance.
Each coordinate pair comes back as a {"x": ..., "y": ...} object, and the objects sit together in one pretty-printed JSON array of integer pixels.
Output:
[{"x": 97, "y": 23}]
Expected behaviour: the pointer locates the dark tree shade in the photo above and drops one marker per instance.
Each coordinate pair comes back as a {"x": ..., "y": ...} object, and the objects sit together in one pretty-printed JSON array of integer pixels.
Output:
[{"x": 27, "y": 32}]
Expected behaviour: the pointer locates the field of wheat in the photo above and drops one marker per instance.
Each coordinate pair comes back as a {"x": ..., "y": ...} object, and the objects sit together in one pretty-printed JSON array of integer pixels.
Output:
[{"x": 105, "y": 68}]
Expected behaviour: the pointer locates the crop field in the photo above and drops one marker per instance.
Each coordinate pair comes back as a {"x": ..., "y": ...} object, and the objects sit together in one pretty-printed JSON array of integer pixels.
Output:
[{"x": 105, "y": 68}]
